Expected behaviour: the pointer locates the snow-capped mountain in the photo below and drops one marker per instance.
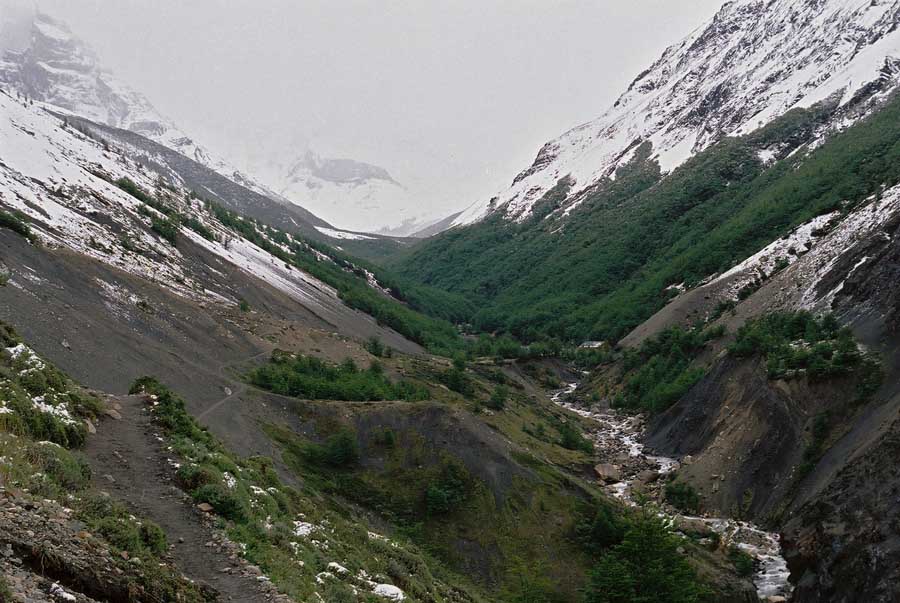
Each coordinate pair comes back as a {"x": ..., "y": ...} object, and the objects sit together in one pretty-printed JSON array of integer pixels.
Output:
[
  {"x": 354, "y": 195},
  {"x": 44, "y": 61},
  {"x": 752, "y": 62},
  {"x": 79, "y": 194},
  {"x": 41, "y": 59}
]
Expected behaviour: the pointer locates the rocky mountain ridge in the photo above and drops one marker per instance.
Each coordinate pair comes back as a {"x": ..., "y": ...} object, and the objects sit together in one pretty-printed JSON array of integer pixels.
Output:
[
  {"x": 54, "y": 67},
  {"x": 752, "y": 62},
  {"x": 359, "y": 196}
]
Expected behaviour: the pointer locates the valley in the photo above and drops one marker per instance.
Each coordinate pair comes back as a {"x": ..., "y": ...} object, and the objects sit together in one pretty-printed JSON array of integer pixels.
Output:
[{"x": 661, "y": 365}]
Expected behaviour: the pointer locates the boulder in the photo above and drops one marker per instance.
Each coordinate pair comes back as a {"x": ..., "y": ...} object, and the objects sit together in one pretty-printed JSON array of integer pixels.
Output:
[
  {"x": 205, "y": 507},
  {"x": 648, "y": 476},
  {"x": 608, "y": 473}
]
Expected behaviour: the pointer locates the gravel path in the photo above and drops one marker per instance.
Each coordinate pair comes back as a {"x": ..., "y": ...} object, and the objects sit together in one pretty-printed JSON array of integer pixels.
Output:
[{"x": 129, "y": 461}]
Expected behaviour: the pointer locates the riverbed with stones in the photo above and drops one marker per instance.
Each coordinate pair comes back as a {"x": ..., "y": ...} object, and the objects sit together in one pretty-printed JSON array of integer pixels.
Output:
[{"x": 631, "y": 474}]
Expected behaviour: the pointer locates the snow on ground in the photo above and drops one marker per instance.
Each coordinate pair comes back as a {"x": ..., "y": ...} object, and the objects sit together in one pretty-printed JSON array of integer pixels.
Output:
[
  {"x": 48, "y": 173},
  {"x": 856, "y": 227},
  {"x": 340, "y": 234},
  {"x": 778, "y": 254},
  {"x": 263, "y": 265},
  {"x": 52, "y": 174}
]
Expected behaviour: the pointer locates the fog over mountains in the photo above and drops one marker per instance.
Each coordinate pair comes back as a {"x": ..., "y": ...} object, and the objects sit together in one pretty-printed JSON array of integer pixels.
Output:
[{"x": 450, "y": 100}]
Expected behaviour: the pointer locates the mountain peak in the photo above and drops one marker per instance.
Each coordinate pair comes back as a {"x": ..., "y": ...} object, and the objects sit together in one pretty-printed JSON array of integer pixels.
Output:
[{"x": 340, "y": 171}]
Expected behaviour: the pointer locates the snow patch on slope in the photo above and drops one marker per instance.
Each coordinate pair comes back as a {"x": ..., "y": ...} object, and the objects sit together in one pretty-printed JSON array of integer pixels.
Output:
[{"x": 340, "y": 234}]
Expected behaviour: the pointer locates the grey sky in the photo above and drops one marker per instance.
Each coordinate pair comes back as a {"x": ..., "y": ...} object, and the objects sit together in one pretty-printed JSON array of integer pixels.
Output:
[{"x": 452, "y": 97}]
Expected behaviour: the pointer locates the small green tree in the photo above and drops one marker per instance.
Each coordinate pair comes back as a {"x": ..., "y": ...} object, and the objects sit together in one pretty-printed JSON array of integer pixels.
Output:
[
  {"x": 341, "y": 449},
  {"x": 498, "y": 398},
  {"x": 528, "y": 583},
  {"x": 683, "y": 497},
  {"x": 374, "y": 346},
  {"x": 645, "y": 567}
]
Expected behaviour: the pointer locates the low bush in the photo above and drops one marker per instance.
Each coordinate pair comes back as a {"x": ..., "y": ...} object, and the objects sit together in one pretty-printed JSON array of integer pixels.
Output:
[
  {"x": 339, "y": 450},
  {"x": 223, "y": 501},
  {"x": 16, "y": 223},
  {"x": 743, "y": 562},
  {"x": 572, "y": 438}
]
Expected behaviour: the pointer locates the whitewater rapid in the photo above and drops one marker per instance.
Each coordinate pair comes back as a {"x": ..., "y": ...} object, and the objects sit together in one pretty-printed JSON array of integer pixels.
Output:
[{"x": 621, "y": 431}]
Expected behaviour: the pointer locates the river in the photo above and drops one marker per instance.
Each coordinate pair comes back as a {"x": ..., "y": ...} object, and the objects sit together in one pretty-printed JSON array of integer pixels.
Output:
[{"x": 618, "y": 440}]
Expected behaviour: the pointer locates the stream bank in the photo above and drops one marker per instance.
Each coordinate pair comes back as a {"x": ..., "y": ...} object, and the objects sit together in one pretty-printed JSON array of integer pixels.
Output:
[{"x": 627, "y": 468}]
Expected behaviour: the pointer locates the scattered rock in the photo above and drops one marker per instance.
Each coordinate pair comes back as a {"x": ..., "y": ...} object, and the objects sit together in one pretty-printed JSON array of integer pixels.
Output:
[{"x": 388, "y": 591}]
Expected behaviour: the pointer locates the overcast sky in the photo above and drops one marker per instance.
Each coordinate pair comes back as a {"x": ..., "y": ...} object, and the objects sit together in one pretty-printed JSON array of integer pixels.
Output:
[{"x": 452, "y": 97}]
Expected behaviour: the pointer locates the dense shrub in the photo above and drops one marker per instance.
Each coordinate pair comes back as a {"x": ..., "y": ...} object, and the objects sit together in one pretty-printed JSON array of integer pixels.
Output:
[
  {"x": 660, "y": 371},
  {"x": 799, "y": 342},
  {"x": 374, "y": 346},
  {"x": 199, "y": 227},
  {"x": 312, "y": 378},
  {"x": 743, "y": 562},
  {"x": 599, "y": 528},
  {"x": 498, "y": 398},
  {"x": 339, "y": 450},
  {"x": 167, "y": 228},
  {"x": 449, "y": 490},
  {"x": 572, "y": 438}
]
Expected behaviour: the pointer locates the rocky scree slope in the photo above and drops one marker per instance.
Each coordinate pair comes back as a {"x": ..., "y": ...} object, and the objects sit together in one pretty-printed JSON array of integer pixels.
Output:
[{"x": 752, "y": 62}]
